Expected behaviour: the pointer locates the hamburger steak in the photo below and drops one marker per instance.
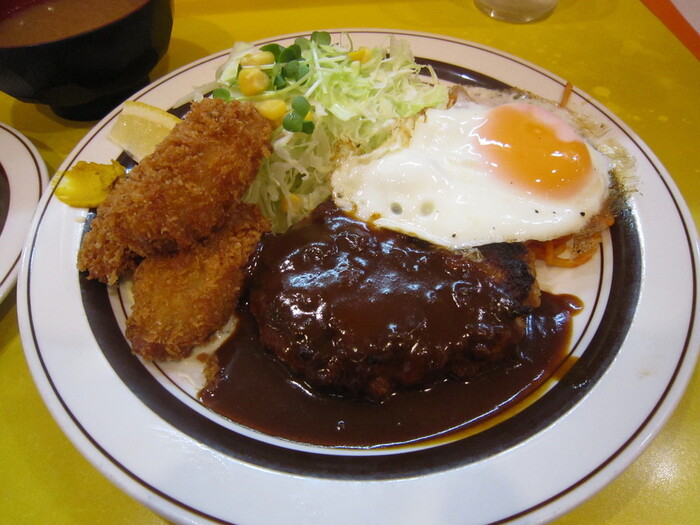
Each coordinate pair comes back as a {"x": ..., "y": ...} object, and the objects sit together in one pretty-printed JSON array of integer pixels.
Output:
[{"x": 362, "y": 311}]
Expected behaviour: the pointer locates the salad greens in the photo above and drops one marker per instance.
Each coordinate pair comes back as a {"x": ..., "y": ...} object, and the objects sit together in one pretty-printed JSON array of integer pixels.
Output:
[{"x": 333, "y": 95}]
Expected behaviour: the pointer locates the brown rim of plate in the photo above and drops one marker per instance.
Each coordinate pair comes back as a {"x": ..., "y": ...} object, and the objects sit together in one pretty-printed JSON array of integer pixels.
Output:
[{"x": 4, "y": 197}]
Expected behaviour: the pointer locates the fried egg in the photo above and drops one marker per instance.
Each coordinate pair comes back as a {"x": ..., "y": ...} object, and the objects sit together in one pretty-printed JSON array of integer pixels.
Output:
[{"x": 501, "y": 169}]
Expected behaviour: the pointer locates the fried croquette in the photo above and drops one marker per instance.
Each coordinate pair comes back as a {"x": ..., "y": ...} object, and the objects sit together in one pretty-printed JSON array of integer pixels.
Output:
[
  {"x": 181, "y": 299},
  {"x": 180, "y": 193},
  {"x": 102, "y": 256}
]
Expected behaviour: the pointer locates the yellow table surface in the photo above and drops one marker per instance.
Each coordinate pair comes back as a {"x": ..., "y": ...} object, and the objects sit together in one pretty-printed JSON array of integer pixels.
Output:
[{"x": 615, "y": 50}]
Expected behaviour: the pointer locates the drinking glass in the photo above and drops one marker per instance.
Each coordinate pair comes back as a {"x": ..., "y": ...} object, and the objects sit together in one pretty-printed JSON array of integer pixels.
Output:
[{"x": 517, "y": 11}]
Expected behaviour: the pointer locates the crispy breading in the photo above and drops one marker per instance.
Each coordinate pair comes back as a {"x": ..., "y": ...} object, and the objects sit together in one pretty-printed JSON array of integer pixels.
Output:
[
  {"x": 181, "y": 299},
  {"x": 101, "y": 255},
  {"x": 182, "y": 192}
]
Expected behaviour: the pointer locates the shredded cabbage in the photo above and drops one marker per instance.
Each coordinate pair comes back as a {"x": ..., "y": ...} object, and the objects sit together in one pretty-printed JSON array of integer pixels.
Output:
[{"x": 353, "y": 102}]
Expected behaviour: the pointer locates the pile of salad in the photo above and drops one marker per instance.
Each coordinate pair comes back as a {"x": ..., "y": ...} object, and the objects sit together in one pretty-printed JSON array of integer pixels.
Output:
[{"x": 320, "y": 95}]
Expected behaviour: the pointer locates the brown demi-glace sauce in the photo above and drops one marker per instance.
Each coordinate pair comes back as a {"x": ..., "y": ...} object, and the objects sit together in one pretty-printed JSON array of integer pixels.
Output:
[{"x": 257, "y": 390}]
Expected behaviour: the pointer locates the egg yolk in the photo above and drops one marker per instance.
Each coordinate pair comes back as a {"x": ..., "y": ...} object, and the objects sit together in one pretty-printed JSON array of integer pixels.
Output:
[{"x": 534, "y": 149}]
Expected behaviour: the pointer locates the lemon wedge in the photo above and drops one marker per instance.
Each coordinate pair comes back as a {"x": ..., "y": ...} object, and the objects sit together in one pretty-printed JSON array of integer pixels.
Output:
[
  {"x": 87, "y": 184},
  {"x": 140, "y": 128}
]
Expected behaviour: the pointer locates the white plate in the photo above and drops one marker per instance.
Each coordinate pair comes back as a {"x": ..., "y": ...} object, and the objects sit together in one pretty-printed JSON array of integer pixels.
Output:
[
  {"x": 23, "y": 178},
  {"x": 637, "y": 344}
]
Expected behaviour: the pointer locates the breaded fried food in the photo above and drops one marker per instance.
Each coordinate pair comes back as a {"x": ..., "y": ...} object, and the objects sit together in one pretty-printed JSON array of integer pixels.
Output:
[
  {"x": 182, "y": 298},
  {"x": 101, "y": 254},
  {"x": 180, "y": 193}
]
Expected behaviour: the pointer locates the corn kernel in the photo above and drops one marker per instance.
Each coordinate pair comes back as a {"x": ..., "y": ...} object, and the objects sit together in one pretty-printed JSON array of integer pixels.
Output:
[
  {"x": 252, "y": 81},
  {"x": 290, "y": 203},
  {"x": 261, "y": 58},
  {"x": 273, "y": 109},
  {"x": 362, "y": 54}
]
